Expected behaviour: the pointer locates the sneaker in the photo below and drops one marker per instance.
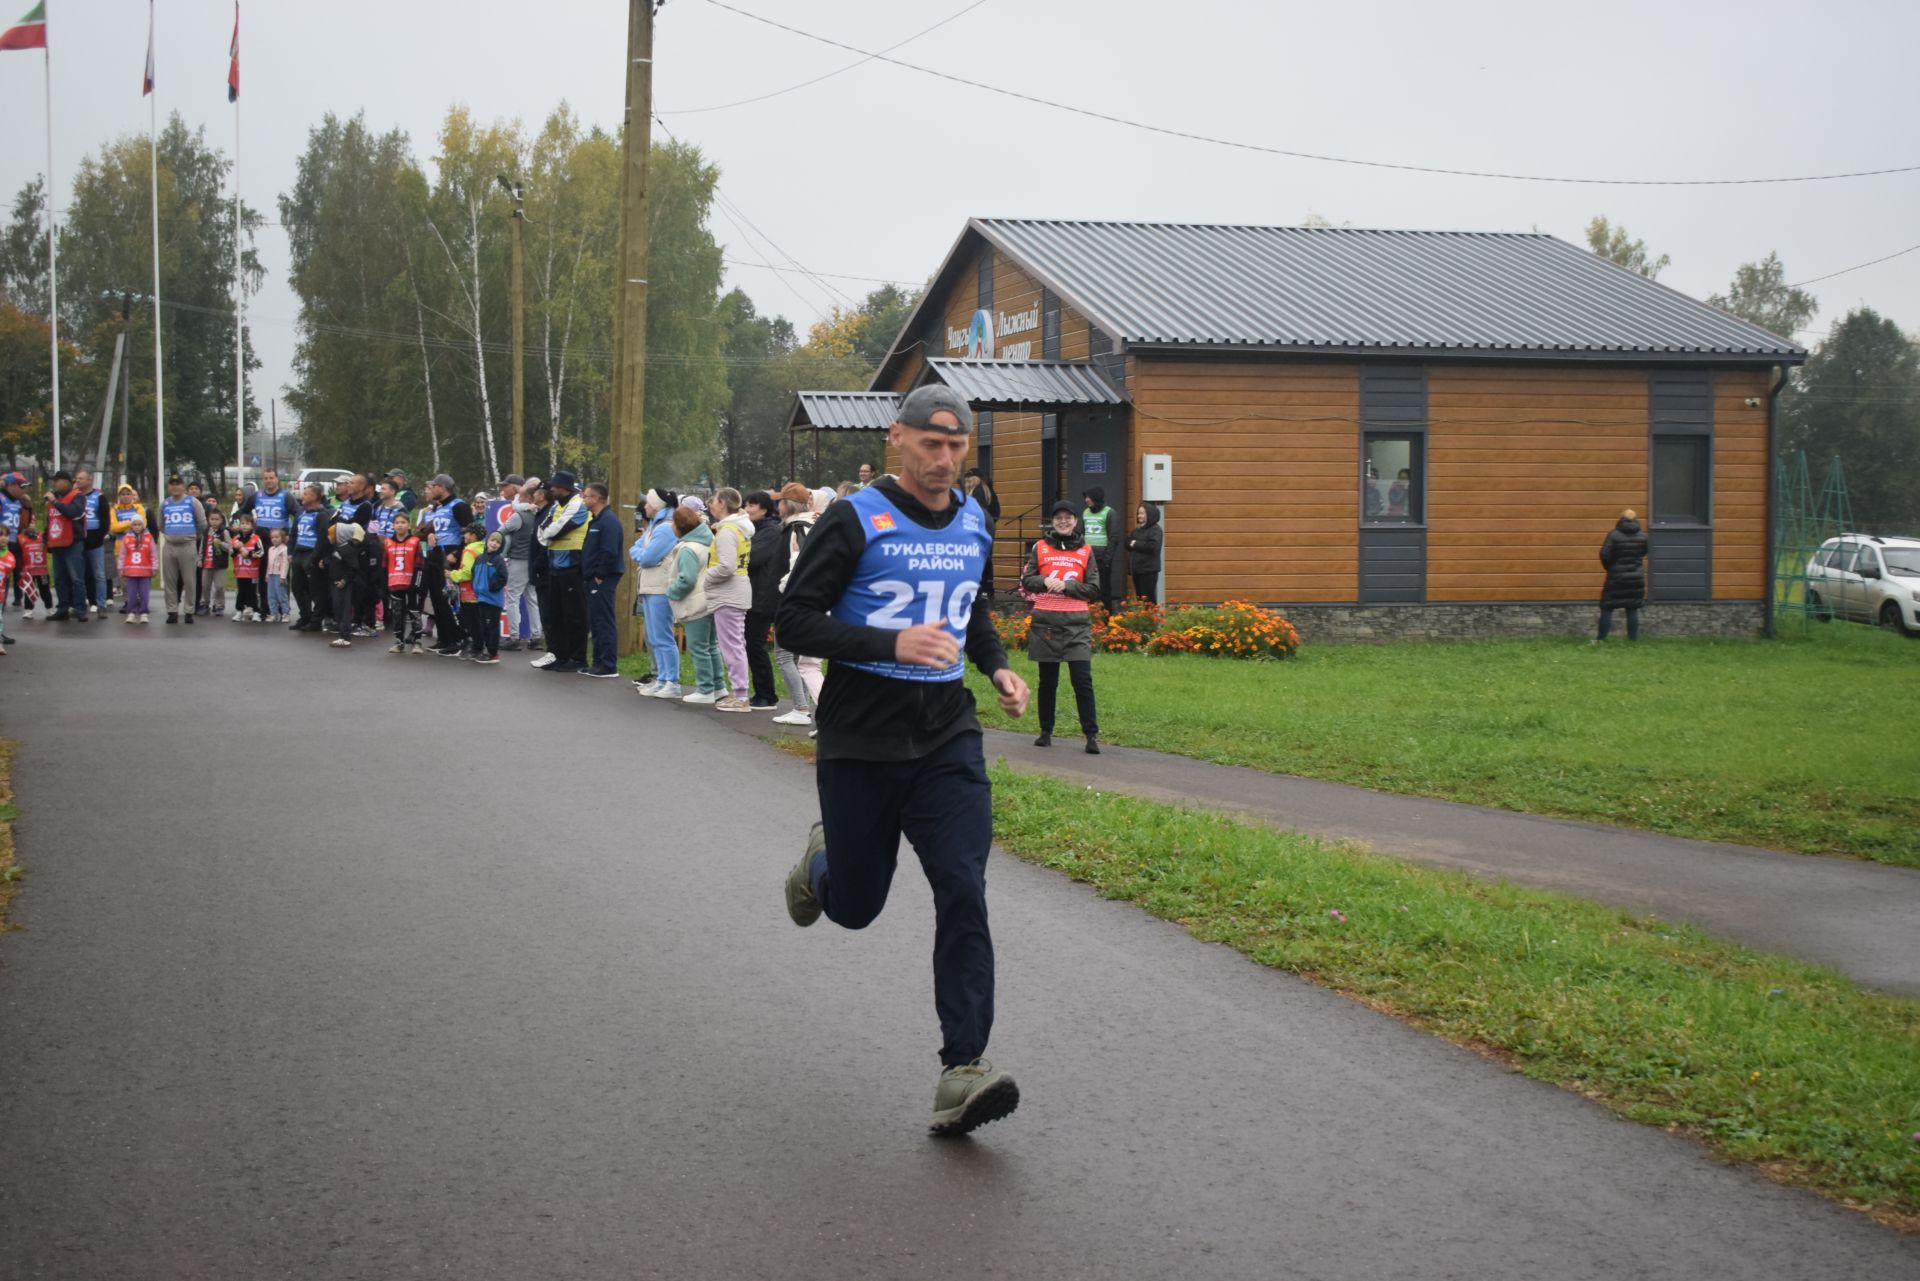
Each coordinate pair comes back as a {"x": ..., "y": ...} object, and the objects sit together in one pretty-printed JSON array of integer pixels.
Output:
[
  {"x": 399, "y": 647},
  {"x": 200, "y": 610},
  {"x": 58, "y": 616},
  {"x": 510, "y": 647},
  {"x": 172, "y": 619},
  {"x": 489, "y": 660},
  {"x": 605, "y": 676},
  {"x": 1045, "y": 740},
  {"x": 326, "y": 625},
  {"x": 645, "y": 684},
  {"x": 361, "y": 633},
  {"x": 703, "y": 699},
  {"x": 802, "y": 904},
  {"x": 187, "y": 619},
  {"x": 563, "y": 669},
  {"x": 794, "y": 717},
  {"x": 341, "y": 643},
  {"x": 132, "y": 618},
  {"x": 763, "y": 705},
  {"x": 1093, "y": 746},
  {"x": 536, "y": 642},
  {"x": 667, "y": 689},
  {"x": 545, "y": 660},
  {"x": 733, "y": 705},
  {"x": 970, "y": 1095},
  {"x": 96, "y": 609},
  {"x": 450, "y": 651},
  {"x": 145, "y": 619}
]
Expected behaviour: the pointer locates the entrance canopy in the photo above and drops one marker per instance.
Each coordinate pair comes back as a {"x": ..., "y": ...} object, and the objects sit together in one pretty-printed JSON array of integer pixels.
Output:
[
  {"x": 1034, "y": 386},
  {"x": 1047, "y": 386}
]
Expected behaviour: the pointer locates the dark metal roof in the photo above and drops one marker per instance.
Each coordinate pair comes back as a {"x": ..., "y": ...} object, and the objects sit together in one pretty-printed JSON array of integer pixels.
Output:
[
  {"x": 1023, "y": 384},
  {"x": 1339, "y": 290},
  {"x": 844, "y": 410}
]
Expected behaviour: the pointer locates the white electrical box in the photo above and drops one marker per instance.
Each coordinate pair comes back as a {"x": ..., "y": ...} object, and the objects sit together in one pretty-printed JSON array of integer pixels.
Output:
[{"x": 1156, "y": 478}]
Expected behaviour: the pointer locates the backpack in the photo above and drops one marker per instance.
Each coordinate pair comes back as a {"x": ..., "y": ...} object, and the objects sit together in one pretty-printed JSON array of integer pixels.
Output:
[{"x": 796, "y": 539}]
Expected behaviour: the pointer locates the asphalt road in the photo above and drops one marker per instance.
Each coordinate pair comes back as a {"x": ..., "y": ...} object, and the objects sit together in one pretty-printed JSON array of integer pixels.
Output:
[{"x": 477, "y": 973}]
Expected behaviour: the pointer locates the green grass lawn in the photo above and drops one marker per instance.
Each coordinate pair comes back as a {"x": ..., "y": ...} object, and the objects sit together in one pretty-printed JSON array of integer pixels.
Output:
[
  {"x": 1808, "y": 744},
  {"x": 1765, "y": 1059}
]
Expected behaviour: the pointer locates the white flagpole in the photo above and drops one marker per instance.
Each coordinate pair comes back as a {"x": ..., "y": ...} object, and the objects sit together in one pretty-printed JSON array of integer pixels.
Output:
[
  {"x": 239, "y": 314},
  {"x": 53, "y": 263},
  {"x": 153, "y": 175}
]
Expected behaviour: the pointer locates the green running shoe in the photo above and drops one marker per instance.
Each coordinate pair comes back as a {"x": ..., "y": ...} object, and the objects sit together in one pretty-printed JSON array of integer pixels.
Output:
[
  {"x": 970, "y": 1095},
  {"x": 802, "y": 905}
]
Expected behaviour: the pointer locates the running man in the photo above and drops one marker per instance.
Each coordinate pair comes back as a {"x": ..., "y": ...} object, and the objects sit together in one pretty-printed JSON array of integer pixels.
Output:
[{"x": 886, "y": 590}]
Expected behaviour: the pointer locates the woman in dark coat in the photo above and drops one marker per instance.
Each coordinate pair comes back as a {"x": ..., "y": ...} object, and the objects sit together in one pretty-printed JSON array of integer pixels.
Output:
[
  {"x": 1624, "y": 554},
  {"x": 1063, "y": 577},
  {"x": 1143, "y": 553}
]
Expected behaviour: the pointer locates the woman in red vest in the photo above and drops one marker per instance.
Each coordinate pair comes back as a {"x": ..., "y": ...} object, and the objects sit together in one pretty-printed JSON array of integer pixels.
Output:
[{"x": 1063, "y": 577}]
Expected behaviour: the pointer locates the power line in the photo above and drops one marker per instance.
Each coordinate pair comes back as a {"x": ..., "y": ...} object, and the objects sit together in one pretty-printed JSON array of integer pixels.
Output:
[
  {"x": 692, "y": 111},
  {"x": 1856, "y": 267},
  {"x": 1166, "y": 131}
]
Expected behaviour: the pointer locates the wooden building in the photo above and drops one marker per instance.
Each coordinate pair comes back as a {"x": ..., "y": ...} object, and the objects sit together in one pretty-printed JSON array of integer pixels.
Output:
[{"x": 1386, "y": 433}]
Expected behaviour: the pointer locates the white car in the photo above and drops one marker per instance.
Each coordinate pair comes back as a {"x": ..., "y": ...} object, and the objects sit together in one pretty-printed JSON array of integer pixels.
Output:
[
  {"x": 321, "y": 476},
  {"x": 1867, "y": 579}
]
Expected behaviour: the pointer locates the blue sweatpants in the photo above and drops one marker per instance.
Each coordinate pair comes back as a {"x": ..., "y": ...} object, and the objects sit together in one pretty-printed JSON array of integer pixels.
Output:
[
  {"x": 943, "y": 804},
  {"x": 662, "y": 648}
]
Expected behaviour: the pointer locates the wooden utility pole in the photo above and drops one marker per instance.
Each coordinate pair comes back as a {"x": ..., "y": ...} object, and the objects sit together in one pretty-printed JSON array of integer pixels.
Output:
[
  {"x": 515, "y": 190},
  {"x": 630, "y": 316}
]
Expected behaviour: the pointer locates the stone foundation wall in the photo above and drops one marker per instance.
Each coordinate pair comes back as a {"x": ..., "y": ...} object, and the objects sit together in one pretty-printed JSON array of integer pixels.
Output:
[
  {"x": 1334, "y": 624},
  {"x": 1345, "y": 624}
]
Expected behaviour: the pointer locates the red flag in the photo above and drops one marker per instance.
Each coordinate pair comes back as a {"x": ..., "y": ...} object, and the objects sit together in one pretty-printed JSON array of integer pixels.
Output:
[
  {"x": 146, "y": 84},
  {"x": 29, "y": 33},
  {"x": 233, "y": 66}
]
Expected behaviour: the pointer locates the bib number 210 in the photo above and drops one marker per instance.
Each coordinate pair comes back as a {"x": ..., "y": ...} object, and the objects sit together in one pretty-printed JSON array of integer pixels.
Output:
[{"x": 931, "y": 595}]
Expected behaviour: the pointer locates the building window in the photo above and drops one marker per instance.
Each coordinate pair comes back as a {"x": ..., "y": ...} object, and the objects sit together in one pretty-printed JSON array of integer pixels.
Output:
[
  {"x": 1682, "y": 473},
  {"x": 1393, "y": 486}
]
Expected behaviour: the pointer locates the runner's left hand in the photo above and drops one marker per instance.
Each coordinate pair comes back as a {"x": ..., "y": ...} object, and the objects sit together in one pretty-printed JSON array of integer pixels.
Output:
[{"x": 1013, "y": 692}]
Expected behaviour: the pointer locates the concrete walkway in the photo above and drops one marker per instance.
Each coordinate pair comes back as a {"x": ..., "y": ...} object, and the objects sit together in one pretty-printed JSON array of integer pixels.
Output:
[
  {"x": 1861, "y": 918},
  {"x": 340, "y": 965}
]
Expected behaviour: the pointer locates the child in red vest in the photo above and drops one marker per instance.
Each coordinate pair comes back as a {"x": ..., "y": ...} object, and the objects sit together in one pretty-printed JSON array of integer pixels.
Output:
[
  {"x": 33, "y": 572},
  {"x": 406, "y": 586},
  {"x": 249, "y": 560},
  {"x": 136, "y": 569},
  {"x": 216, "y": 548}
]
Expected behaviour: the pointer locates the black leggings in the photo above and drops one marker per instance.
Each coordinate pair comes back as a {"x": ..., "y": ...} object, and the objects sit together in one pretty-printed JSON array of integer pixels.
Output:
[
  {"x": 1080, "y": 671},
  {"x": 1146, "y": 583}
]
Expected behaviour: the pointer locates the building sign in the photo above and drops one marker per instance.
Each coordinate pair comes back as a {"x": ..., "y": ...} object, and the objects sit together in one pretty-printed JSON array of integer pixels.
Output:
[
  {"x": 981, "y": 339},
  {"x": 1093, "y": 464}
]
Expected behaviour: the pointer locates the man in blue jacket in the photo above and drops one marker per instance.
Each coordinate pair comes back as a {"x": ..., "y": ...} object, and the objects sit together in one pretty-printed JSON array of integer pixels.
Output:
[{"x": 602, "y": 561}]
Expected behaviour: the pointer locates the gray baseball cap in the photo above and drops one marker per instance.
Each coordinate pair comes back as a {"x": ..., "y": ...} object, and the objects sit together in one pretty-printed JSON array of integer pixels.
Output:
[{"x": 922, "y": 403}]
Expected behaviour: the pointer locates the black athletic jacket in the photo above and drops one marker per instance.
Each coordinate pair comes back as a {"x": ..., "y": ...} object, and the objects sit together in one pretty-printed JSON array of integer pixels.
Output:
[{"x": 864, "y": 716}]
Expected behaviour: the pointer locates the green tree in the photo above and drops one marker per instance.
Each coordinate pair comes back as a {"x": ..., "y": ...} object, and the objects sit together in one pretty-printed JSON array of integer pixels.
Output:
[
  {"x": 573, "y": 222},
  {"x": 23, "y": 249},
  {"x": 760, "y": 369},
  {"x": 1760, "y": 294},
  {"x": 1611, "y": 241},
  {"x": 26, "y": 384},
  {"x": 1858, "y": 398},
  {"x": 686, "y": 330},
  {"x": 105, "y": 248},
  {"x": 360, "y": 401}
]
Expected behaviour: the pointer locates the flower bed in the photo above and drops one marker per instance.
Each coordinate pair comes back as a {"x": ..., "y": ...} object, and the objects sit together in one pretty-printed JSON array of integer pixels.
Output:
[{"x": 1236, "y": 629}]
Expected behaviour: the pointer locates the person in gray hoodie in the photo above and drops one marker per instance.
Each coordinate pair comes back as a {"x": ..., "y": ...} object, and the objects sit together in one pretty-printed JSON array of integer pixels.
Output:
[{"x": 516, "y": 532}]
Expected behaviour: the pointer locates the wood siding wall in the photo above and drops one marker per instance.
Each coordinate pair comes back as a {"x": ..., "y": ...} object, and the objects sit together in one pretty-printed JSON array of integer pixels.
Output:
[
  {"x": 1527, "y": 469},
  {"x": 1266, "y": 475},
  {"x": 1740, "y": 484}
]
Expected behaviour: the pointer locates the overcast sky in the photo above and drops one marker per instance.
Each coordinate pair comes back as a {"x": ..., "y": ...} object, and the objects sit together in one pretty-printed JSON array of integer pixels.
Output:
[{"x": 873, "y": 172}]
